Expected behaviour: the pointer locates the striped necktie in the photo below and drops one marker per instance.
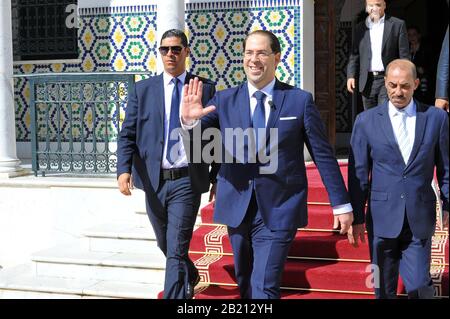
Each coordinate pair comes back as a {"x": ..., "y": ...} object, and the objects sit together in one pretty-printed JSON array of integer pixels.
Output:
[{"x": 402, "y": 138}]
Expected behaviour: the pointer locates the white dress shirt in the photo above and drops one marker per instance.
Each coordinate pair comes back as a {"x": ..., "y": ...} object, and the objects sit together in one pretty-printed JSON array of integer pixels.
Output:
[
  {"x": 395, "y": 118},
  {"x": 168, "y": 89},
  {"x": 268, "y": 91},
  {"x": 376, "y": 43}
]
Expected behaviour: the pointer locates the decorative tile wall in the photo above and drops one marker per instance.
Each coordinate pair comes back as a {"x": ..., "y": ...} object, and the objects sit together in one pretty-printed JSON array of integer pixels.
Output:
[
  {"x": 217, "y": 31},
  {"x": 121, "y": 39}
]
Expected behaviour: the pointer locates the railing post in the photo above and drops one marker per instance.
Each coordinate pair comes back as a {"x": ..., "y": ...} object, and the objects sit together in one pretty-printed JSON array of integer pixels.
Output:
[{"x": 34, "y": 161}]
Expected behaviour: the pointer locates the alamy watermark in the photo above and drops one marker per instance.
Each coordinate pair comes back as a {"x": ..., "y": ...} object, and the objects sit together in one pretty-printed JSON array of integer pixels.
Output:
[
  {"x": 373, "y": 279},
  {"x": 72, "y": 17},
  {"x": 236, "y": 145}
]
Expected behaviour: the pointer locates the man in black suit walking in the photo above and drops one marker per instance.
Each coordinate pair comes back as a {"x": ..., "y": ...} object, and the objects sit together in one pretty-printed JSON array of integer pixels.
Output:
[{"x": 377, "y": 41}]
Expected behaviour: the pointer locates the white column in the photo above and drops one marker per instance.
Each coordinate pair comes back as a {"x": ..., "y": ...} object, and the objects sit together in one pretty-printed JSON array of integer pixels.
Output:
[
  {"x": 170, "y": 15},
  {"x": 9, "y": 164},
  {"x": 307, "y": 53}
]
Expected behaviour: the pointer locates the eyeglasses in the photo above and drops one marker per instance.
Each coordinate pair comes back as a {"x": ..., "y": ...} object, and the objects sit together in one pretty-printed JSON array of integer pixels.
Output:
[
  {"x": 175, "y": 49},
  {"x": 258, "y": 54}
]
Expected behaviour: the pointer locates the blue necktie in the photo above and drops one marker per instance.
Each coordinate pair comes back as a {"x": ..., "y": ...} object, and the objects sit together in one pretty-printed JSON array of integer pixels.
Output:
[
  {"x": 174, "y": 122},
  {"x": 259, "y": 118}
]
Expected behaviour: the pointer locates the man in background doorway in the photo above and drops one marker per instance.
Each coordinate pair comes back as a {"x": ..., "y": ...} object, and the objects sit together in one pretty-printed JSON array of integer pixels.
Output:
[
  {"x": 377, "y": 41},
  {"x": 442, "y": 76}
]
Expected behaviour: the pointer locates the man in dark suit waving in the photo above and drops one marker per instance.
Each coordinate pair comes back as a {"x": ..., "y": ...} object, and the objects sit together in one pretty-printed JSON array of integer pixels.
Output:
[
  {"x": 395, "y": 149},
  {"x": 376, "y": 42},
  {"x": 263, "y": 203},
  {"x": 150, "y": 145}
]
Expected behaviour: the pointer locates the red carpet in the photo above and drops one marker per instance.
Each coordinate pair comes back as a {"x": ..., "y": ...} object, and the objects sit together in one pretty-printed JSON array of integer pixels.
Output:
[
  {"x": 306, "y": 244},
  {"x": 321, "y": 263},
  {"x": 227, "y": 292}
]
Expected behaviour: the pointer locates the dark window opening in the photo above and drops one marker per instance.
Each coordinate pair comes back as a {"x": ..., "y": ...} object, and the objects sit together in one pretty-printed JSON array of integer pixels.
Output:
[{"x": 40, "y": 30}]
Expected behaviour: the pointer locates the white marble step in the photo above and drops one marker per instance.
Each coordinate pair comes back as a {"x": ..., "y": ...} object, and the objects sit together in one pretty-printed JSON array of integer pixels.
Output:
[
  {"x": 20, "y": 294},
  {"x": 143, "y": 218},
  {"x": 121, "y": 231},
  {"x": 142, "y": 213},
  {"x": 37, "y": 213},
  {"x": 80, "y": 263},
  {"x": 121, "y": 238},
  {"x": 31, "y": 287}
]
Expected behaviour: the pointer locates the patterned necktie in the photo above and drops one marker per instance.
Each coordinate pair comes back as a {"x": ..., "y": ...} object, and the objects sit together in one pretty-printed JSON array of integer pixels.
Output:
[
  {"x": 174, "y": 123},
  {"x": 259, "y": 118},
  {"x": 403, "y": 139}
]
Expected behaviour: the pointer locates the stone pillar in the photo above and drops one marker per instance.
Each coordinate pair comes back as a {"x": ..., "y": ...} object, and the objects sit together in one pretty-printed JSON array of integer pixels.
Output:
[
  {"x": 9, "y": 164},
  {"x": 307, "y": 54},
  {"x": 170, "y": 15}
]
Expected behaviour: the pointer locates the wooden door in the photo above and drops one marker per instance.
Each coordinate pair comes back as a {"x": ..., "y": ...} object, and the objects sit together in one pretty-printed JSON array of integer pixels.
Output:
[{"x": 324, "y": 44}]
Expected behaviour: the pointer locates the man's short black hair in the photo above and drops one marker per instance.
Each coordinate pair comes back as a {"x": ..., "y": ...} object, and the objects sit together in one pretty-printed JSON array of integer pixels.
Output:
[
  {"x": 177, "y": 34},
  {"x": 274, "y": 42}
]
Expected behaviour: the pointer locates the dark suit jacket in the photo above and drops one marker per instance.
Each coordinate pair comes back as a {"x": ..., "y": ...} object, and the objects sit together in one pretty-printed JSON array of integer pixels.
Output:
[
  {"x": 141, "y": 140},
  {"x": 442, "y": 71},
  {"x": 395, "y": 46},
  {"x": 282, "y": 195},
  {"x": 378, "y": 173}
]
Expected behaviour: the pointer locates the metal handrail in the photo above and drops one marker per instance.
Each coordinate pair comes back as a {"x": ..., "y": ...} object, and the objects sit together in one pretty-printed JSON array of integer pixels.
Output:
[{"x": 63, "y": 140}]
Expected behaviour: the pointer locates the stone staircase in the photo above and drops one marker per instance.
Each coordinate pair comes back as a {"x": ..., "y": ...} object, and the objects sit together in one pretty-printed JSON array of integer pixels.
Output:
[
  {"x": 109, "y": 261},
  {"x": 118, "y": 258}
]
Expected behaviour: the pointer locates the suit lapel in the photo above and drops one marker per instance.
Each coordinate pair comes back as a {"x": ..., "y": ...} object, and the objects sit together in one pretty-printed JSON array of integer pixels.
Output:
[
  {"x": 278, "y": 98},
  {"x": 366, "y": 41},
  {"x": 386, "y": 126},
  {"x": 386, "y": 32},
  {"x": 242, "y": 114},
  {"x": 159, "y": 101},
  {"x": 421, "y": 121},
  {"x": 239, "y": 115},
  {"x": 188, "y": 77}
]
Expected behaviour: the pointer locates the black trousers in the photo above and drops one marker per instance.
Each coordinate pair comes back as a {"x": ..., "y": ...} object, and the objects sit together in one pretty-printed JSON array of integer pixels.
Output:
[
  {"x": 375, "y": 92},
  {"x": 172, "y": 211}
]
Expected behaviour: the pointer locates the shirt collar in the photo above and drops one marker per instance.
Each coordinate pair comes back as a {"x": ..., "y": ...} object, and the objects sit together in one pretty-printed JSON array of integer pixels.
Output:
[
  {"x": 168, "y": 78},
  {"x": 410, "y": 109},
  {"x": 267, "y": 90},
  {"x": 370, "y": 23}
]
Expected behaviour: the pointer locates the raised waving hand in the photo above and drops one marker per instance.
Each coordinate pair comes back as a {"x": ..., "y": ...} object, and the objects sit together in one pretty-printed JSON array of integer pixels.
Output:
[{"x": 192, "y": 108}]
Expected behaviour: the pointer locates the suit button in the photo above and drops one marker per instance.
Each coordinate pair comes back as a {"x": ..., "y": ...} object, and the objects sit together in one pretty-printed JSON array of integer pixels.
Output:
[
  {"x": 404, "y": 176},
  {"x": 162, "y": 142},
  {"x": 402, "y": 196}
]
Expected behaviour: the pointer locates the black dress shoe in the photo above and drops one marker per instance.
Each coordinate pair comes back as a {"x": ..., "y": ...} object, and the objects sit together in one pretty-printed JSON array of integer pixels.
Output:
[{"x": 190, "y": 291}]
